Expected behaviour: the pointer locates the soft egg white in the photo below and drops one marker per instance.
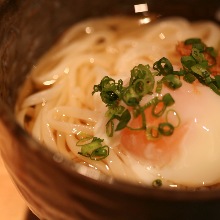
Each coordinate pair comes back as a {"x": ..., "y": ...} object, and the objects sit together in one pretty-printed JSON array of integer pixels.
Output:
[
  {"x": 199, "y": 159},
  {"x": 196, "y": 159}
]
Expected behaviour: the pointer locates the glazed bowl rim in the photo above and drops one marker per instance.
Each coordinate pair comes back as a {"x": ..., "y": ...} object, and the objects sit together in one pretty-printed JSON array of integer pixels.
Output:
[{"x": 108, "y": 182}]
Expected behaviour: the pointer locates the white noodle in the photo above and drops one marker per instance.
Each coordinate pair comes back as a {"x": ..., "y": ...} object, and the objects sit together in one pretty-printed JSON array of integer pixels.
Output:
[{"x": 64, "y": 106}]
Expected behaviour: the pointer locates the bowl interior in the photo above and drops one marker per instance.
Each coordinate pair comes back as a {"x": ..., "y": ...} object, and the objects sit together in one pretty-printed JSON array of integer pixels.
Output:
[
  {"x": 28, "y": 29},
  {"x": 24, "y": 40}
]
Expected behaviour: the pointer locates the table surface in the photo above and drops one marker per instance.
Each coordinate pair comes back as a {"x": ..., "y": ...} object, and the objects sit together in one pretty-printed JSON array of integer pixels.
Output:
[{"x": 12, "y": 205}]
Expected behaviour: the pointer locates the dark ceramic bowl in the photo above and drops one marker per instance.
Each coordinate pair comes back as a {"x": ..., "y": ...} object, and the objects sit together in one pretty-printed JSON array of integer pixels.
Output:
[{"x": 53, "y": 189}]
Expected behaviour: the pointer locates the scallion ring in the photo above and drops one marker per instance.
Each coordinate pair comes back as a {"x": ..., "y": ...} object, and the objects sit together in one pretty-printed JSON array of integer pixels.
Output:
[
  {"x": 163, "y": 66},
  {"x": 152, "y": 133},
  {"x": 84, "y": 141},
  {"x": 173, "y": 118},
  {"x": 172, "y": 81},
  {"x": 166, "y": 129},
  {"x": 158, "y": 109},
  {"x": 157, "y": 183},
  {"x": 100, "y": 153},
  {"x": 110, "y": 128},
  {"x": 130, "y": 97},
  {"x": 168, "y": 99},
  {"x": 140, "y": 87}
]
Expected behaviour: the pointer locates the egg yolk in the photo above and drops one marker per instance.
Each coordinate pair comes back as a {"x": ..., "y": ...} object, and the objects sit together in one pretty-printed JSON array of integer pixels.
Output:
[
  {"x": 191, "y": 155},
  {"x": 159, "y": 151}
]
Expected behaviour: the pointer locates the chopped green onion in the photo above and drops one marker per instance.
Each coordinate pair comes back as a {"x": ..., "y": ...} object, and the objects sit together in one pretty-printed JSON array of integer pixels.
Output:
[
  {"x": 163, "y": 66},
  {"x": 172, "y": 81},
  {"x": 201, "y": 71},
  {"x": 159, "y": 86},
  {"x": 138, "y": 72},
  {"x": 211, "y": 51},
  {"x": 217, "y": 80},
  {"x": 152, "y": 133},
  {"x": 189, "y": 77},
  {"x": 110, "y": 128},
  {"x": 124, "y": 119},
  {"x": 100, "y": 153},
  {"x": 125, "y": 102},
  {"x": 130, "y": 97},
  {"x": 157, "y": 183},
  {"x": 91, "y": 149},
  {"x": 139, "y": 111},
  {"x": 142, "y": 80},
  {"x": 197, "y": 55},
  {"x": 214, "y": 88},
  {"x": 208, "y": 80},
  {"x": 166, "y": 129},
  {"x": 84, "y": 140},
  {"x": 141, "y": 87},
  {"x": 200, "y": 47},
  {"x": 188, "y": 61},
  {"x": 109, "y": 90},
  {"x": 173, "y": 118},
  {"x": 168, "y": 99},
  {"x": 114, "y": 110},
  {"x": 192, "y": 41},
  {"x": 181, "y": 72},
  {"x": 109, "y": 97},
  {"x": 142, "y": 72},
  {"x": 152, "y": 102},
  {"x": 158, "y": 109}
]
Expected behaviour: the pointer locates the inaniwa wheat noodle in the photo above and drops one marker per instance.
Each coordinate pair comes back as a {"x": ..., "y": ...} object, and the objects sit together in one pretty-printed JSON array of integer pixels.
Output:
[{"x": 59, "y": 109}]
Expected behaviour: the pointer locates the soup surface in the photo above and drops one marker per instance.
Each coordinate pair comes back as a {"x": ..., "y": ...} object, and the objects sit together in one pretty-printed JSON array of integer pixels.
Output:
[{"x": 131, "y": 99}]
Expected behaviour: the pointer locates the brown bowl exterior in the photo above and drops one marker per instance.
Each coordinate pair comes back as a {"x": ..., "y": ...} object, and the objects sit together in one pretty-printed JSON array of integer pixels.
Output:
[{"x": 53, "y": 187}]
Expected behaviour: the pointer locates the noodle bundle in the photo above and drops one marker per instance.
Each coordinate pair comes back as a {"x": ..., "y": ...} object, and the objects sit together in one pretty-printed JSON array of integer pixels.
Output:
[{"x": 59, "y": 108}]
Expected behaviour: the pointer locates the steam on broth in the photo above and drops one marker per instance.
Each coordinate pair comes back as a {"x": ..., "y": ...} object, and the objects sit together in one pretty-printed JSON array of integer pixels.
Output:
[{"x": 61, "y": 112}]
